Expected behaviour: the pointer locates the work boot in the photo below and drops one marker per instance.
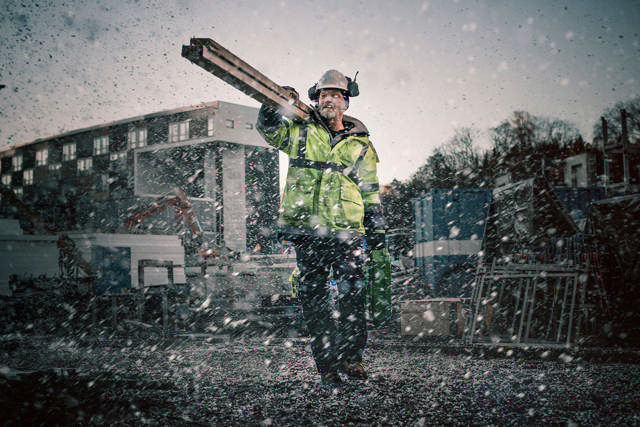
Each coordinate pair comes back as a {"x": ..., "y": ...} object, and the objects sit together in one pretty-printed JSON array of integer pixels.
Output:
[
  {"x": 354, "y": 370},
  {"x": 330, "y": 378}
]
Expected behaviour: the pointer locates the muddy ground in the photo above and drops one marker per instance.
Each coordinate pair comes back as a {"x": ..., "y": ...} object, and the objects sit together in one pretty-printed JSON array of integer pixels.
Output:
[{"x": 272, "y": 382}]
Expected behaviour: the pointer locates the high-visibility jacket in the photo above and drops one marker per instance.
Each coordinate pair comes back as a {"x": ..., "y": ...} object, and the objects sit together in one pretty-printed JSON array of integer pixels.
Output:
[{"x": 332, "y": 186}]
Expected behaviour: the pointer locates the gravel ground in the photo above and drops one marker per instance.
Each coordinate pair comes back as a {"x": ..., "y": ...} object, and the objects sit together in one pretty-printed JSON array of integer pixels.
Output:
[{"x": 243, "y": 382}]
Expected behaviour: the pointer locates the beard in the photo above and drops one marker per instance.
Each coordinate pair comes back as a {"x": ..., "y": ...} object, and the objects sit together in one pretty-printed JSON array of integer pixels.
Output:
[{"x": 329, "y": 111}]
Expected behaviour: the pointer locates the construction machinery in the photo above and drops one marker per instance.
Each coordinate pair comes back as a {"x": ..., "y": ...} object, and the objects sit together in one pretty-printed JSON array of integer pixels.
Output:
[
  {"x": 222, "y": 285},
  {"x": 192, "y": 242},
  {"x": 540, "y": 280}
]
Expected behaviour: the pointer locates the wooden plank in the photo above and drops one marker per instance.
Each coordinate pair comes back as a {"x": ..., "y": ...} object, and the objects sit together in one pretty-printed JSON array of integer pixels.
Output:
[
  {"x": 214, "y": 58},
  {"x": 218, "y": 51}
]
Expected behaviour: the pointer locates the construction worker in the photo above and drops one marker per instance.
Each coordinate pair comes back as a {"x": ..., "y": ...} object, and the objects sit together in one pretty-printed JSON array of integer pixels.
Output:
[{"x": 330, "y": 203}]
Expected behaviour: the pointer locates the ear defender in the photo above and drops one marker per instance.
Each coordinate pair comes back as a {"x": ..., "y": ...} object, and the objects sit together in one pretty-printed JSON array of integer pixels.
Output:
[
  {"x": 352, "y": 86},
  {"x": 314, "y": 92}
]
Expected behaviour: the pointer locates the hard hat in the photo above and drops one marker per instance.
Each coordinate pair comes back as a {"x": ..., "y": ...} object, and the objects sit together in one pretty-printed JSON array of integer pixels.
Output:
[{"x": 334, "y": 79}]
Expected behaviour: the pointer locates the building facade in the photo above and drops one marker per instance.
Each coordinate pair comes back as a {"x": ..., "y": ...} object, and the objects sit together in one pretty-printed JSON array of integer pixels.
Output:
[
  {"x": 92, "y": 179},
  {"x": 616, "y": 168}
]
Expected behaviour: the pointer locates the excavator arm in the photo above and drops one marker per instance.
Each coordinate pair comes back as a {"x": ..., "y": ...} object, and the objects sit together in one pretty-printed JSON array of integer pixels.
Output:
[
  {"x": 10, "y": 197},
  {"x": 184, "y": 212}
]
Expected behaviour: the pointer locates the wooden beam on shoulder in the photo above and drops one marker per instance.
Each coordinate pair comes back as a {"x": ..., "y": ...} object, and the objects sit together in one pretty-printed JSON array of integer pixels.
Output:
[{"x": 219, "y": 61}]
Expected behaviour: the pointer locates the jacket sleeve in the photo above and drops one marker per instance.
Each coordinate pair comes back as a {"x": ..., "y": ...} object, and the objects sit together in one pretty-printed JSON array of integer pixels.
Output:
[{"x": 374, "y": 222}]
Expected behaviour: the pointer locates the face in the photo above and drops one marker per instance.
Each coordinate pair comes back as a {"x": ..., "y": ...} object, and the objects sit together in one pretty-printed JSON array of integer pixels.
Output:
[{"x": 331, "y": 103}]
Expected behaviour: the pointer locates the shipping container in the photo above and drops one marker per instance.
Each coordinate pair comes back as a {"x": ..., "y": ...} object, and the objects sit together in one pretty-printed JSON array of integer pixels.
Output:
[
  {"x": 524, "y": 217},
  {"x": 449, "y": 230},
  {"x": 26, "y": 256},
  {"x": 119, "y": 252}
]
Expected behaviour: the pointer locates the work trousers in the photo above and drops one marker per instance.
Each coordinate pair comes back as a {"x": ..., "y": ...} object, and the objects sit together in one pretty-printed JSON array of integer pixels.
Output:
[{"x": 337, "y": 329}]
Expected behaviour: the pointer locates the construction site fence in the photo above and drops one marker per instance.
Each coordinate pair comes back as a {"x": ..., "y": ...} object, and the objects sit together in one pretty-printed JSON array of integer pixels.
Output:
[{"x": 520, "y": 300}]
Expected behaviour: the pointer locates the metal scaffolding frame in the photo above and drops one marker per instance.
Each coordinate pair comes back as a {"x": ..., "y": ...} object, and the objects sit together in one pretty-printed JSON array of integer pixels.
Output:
[{"x": 528, "y": 303}]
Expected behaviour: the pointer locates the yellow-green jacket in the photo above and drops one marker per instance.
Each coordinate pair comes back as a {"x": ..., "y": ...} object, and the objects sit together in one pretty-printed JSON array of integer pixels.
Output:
[{"x": 332, "y": 186}]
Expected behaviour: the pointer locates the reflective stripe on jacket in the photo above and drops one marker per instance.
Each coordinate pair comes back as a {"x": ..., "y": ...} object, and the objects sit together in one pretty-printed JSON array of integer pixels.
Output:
[{"x": 332, "y": 185}]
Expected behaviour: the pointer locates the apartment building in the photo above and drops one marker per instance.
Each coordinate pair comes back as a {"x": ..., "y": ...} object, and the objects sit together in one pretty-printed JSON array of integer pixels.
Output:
[{"x": 92, "y": 179}]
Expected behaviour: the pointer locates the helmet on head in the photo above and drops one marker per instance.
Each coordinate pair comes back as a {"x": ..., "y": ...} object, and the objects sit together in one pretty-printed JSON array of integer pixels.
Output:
[{"x": 334, "y": 79}]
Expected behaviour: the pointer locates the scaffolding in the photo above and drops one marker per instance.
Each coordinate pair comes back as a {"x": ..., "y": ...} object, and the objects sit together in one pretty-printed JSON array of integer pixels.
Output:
[{"x": 524, "y": 303}]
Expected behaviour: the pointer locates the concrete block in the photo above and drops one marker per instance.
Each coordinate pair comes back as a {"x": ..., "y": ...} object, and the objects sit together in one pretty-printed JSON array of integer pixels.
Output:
[{"x": 431, "y": 317}]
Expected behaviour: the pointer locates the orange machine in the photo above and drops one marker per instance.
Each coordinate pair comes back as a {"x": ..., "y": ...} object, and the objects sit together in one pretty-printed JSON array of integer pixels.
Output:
[{"x": 184, "y": 212}]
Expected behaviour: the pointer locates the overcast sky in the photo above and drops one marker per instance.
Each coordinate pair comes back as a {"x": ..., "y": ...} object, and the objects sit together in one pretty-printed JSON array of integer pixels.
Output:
[{"x": 425, "y": 67}]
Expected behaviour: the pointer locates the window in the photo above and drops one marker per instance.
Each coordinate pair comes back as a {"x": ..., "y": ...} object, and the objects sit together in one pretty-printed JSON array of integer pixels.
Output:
[
  {"x": 55, "y": 166},
  {"x": 184, "y": 131},
  {"x": 27, "y": 177},
  {"x": 100, "y": 145},
  {"x": 229, "y": 123},
  {"x": 16, "y": 163},
  {"x": 118, "y": 156},
  {"x": 576, "y": 174},
  {"x": 248, "y": 126},
  {"x": 137, "y": 138},
  {"x": 85, "y": 164},
  {"x": 132, "y": 139},
  {"x": 210, "y": 126},
  {"x": 101, "y": 183},
  {"x": 42, "y": 156},
  {"x": 179, "y": 131},
  {"x": 69, "y": 151},
  {"x": 6, "y": 180},
  {"x": 18, "y": 192},
  {"x": 173, "y": 132}
]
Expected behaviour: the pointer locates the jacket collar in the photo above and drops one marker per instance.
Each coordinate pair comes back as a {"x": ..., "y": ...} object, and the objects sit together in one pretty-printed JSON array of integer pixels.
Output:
[{"x": 358, "y": 127}]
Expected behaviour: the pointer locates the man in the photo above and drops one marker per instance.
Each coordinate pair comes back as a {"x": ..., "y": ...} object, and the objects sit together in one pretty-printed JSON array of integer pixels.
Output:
[{"x": 330, "y": 202}]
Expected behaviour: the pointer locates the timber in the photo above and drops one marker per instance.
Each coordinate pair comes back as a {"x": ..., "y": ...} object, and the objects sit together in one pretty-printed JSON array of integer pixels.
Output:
[{"x": 219, "y": 61}]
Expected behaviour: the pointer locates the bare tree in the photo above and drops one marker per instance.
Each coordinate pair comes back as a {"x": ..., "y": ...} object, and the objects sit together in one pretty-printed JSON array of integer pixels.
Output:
[
  {"x": 455, "y": 163},
  {"x": 556, "y": 131},
  {"x": 521, "y": 144},
  {"x": 614, "y": 124},
  {"x": 523, "y": 129}
]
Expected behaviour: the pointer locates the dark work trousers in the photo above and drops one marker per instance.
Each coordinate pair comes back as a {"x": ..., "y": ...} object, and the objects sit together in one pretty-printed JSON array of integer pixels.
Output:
[{"x": 338, "y": 333}]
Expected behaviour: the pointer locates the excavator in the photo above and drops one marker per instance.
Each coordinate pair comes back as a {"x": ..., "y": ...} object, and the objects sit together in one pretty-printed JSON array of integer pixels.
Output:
[{"x": 193, "y": 242}]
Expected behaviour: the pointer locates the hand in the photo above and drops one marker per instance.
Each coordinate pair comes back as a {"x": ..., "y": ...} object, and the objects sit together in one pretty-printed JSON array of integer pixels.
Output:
[
  {"x": 375, "y": 241},
  {"x": 268, "y": 119},
  {"x": 293, "y": 94}
]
